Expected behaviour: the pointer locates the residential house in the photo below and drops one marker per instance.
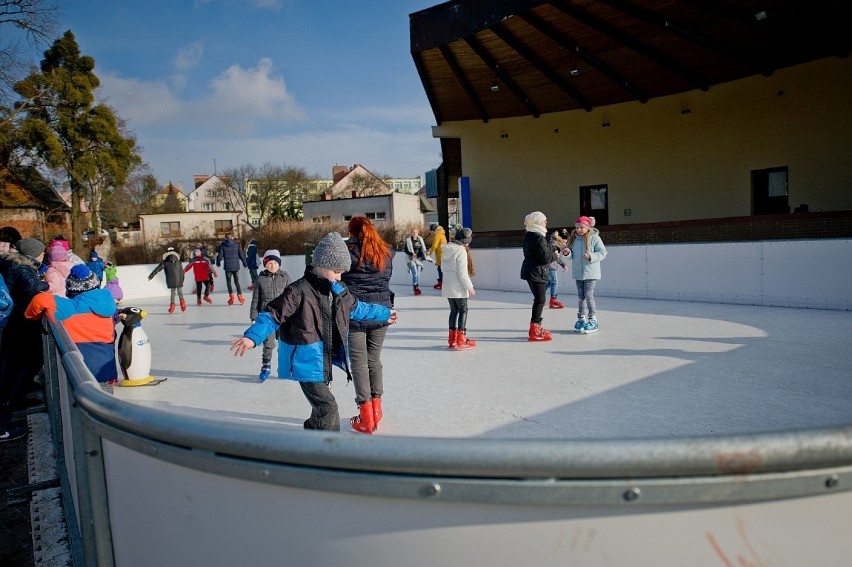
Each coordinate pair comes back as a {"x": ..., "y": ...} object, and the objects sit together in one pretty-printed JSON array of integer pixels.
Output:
[
  {"x": 399, "y": 209},
  {"x": 31, "y": 205},
  {"x": 165, "y": 229},
  {"x": 171, "y": 191},
  {"x": 211, "y": 193}
]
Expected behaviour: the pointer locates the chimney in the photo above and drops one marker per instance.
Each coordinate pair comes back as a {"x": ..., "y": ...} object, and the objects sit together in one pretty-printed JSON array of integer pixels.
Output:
[
  {"x": 354, "y": 194},
  {"x": 338, "y": 172}
]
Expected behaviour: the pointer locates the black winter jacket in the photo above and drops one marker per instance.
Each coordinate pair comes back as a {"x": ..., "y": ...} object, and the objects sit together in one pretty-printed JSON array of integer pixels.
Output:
[
  {"x": 267, "y": 287},
  {"x": 174, "y": 270},
  {"x": 368, "y": 284},
  {"x": 537, "y": 255}
]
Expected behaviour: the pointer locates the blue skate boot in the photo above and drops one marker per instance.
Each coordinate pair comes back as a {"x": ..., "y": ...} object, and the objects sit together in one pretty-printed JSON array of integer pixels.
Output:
[
  {"x": 591, "y": 326},
  {"x": 265, "y": 371},
  {"x": 580, "y": 324}
]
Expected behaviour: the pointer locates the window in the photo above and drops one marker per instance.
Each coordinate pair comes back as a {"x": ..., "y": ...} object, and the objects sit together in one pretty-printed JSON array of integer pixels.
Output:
[
  {"x": 380, "y": 215},
  {"x": 227, "y": 207},
  {"x": 324, "y": 218},
  {"x": 594, "y": 203},
  {"x": 347, "y": 218},
  {"x": 223, "y": 226},
  {"x": 207, "y": 206},
  {"x": 169, "y": 229},
  {"x": 209, "y": 192},
  {"x": 255, "y": 221},
  {"x": 254, "y": 209},
  {"x": 769, "y": 191}
]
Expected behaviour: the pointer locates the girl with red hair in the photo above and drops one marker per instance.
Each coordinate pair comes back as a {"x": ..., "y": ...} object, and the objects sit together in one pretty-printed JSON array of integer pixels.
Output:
[{"x": 368, "y": 280}]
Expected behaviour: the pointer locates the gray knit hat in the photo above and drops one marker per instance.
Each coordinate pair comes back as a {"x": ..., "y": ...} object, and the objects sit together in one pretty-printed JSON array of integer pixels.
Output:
[
  {"x": 462, "y": 235},
  {"x": 331, "y": 253},
  {"x": 30, "y": 247}
]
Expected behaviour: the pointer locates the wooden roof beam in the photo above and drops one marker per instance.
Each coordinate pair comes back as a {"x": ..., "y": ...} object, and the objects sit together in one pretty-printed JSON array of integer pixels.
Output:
[
  {"x": 492, "y": 64},
  {"x": 543, "y": 67},
  {"x": 462, "y": 79},
  {"x": 631, "y": 42},
  {"x": 569, "y": 44},
  {"x": 427, "y": 86},
  {"x": 654, "y": 19}
]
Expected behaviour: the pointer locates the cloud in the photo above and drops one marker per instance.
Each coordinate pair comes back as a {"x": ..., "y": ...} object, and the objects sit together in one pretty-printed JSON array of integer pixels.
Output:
[
  {"x": 248, "y": 95},
  {"x": 237, "y": 101},
  {"x": 188, "y": 56}
]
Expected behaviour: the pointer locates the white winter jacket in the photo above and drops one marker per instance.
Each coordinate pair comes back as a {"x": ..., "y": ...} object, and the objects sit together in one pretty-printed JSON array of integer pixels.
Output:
[{"x": 457, "y": 282}]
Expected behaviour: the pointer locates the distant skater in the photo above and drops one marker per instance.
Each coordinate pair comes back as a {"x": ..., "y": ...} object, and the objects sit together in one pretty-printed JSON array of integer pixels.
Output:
[
  {"x": 537, "y": 255},
  {"x": 458, "y": 287},
  {"x": 587, "y": 251}
]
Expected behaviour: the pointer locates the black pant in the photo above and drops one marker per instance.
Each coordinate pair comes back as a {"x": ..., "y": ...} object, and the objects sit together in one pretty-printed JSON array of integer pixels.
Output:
[
  {"x": 206, "y": 284},
  {"x": 458, "y": 313},
  {"x": 324, "y": 414},
  {"x": 538, "y": 290},
  {"x": 236, "y": 277},
  {"x": 21, "y": 359}
]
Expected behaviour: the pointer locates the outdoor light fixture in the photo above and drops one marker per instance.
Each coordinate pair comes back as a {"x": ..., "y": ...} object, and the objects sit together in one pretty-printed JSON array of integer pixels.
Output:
[
  {"x": 760, "y": 16},
  {"x": 574, "y": 72},
  {"x": 495, "y": 87}
]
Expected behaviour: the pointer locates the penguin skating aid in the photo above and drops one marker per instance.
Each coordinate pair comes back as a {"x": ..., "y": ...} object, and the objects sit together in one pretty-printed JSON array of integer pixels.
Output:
[{"x": 134, "y": 350}]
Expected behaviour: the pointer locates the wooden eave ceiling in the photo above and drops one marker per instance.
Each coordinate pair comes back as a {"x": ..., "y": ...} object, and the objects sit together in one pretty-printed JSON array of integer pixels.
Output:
[{"x": 485, "y": 59}]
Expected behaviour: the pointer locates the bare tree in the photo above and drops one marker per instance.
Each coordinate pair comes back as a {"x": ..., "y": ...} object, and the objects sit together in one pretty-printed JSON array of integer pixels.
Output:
[
  {"x": 271, "y": 192},
  {"x": 367, "y": 185},
  {"x": 26, "y": 28}
]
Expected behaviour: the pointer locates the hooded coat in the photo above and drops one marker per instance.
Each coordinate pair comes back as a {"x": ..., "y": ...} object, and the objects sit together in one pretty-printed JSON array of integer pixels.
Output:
[{"x": 174, "y": 270}]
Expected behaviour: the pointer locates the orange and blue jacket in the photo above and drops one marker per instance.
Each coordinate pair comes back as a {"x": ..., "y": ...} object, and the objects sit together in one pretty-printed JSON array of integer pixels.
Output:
[{"x": 88, "y": 318}]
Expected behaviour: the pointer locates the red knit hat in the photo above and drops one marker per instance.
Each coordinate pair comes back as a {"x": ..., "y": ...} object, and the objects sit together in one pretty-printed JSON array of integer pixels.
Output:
[{"x": 589, "y": 222}]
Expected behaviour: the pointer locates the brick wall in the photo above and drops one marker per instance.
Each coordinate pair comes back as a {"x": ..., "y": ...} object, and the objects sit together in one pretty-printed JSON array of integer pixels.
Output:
[{"x": 834, "y": 224}]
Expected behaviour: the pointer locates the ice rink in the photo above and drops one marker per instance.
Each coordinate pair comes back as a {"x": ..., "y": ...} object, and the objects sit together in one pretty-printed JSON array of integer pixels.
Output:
[{"x": 655, "y": 369}]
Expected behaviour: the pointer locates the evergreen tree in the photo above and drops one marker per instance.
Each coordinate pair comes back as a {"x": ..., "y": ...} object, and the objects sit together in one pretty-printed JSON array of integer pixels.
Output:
[{"x": 70, "y": 131}]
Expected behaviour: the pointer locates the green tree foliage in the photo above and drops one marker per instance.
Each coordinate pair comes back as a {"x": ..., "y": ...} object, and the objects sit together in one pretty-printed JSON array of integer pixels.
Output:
[
  {"x": 270, "y": 192},
  {"x": 70, "y": 131}
]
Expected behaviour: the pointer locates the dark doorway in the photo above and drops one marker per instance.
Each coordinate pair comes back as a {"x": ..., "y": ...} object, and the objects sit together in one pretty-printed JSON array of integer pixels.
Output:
[
  {"x": 769, "y": 192},
  {"x": 594, "y": 202}
]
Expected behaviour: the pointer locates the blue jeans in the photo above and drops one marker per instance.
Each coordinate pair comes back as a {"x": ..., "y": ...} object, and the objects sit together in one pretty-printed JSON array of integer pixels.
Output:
[
  {"x": 552, "y": 282},
  {"x": 415, "y": 267},
  {"x": 586, "y": 297}
]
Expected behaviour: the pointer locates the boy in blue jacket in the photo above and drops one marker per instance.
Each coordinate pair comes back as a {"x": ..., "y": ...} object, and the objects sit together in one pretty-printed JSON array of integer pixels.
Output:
[{"x": 312, "y": 316}]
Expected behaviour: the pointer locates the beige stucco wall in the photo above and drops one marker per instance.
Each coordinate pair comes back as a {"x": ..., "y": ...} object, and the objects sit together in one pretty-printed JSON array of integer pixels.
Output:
[
  {"x": 399, "y": 208},
  {"x": 664, "y": 164},
  {"x": 197, "y": 226}
]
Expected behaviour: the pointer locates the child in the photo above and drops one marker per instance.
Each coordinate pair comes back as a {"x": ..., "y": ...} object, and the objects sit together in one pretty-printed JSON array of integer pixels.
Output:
[
  {"x": 174, "y": 277},
  {"x": 97, "y": 266},
  {"x": 202, "y": 269},
  {"x": 110, "y": 271},
  {"x": 210, "y": 259},
  {"x": 587, "y": 250},
  {"x": 270, "y": 283},
  {"x": 251, "y": 262},
  {"x": 312, "y": 317},
  {"x": 457, "y": 286},
  {"x": 114, "y": 288},
  {"x": 87, "y": 314},
  {"x": 415, "y": 249},
  {"x": 439, "y": 238},
  {"x": 558, "y": 244}
]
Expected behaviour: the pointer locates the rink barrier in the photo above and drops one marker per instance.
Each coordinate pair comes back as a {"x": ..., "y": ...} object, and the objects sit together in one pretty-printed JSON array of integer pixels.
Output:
[{"x": 98, "y": 434}]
